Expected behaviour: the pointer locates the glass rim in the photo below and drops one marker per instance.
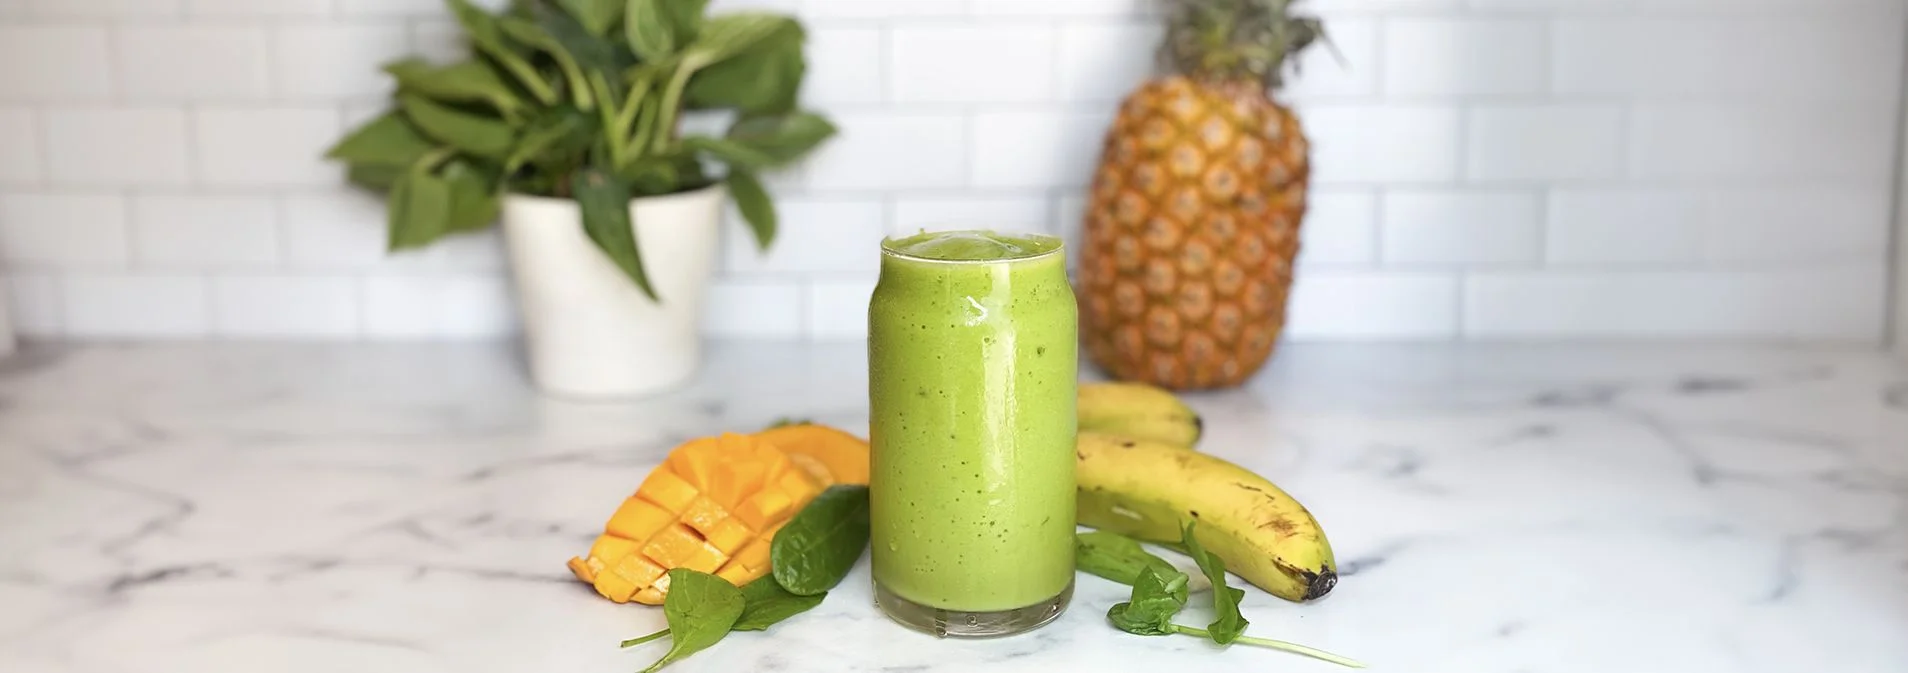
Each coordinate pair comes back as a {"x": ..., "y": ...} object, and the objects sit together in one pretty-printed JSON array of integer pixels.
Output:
[{"x": 1059, "y": 246}]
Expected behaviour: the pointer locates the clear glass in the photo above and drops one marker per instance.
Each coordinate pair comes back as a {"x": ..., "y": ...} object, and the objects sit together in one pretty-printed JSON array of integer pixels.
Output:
[{"x": 972, "y": 385}]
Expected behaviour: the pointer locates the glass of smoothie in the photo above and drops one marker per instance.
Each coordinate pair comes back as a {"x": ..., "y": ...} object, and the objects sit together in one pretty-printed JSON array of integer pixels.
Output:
[{"x": 972, "y": 383}]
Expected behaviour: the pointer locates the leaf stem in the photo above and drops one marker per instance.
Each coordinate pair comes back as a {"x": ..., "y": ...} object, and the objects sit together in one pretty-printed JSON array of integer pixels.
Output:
[
  {"x": 1294, "y": 648},
  {"x": 658, "y": 635},
  {"x": 672, "y": 98}
]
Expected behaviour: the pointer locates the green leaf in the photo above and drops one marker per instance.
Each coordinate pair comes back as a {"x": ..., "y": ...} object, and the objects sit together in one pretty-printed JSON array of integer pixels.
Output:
[
  {"x": 385, "y": 141},
  {"x": 561, "y": 135},
  {"x": 605, "y": 202},
  {"x": 536, "y": 36},
  {"x": 419, "y": 209},
  {"x": 730, "y": 152},
  {"x": 482, "y": 136},
  {"x": 596, "y": 16},
  {"x": 373, "y": 176},
  {"x": 701, "y": 609},
  {"x": 485, "y": 32},
  {"x": 765, "y": 78},
  {"x": 758, "y": 210},
  {"x": 1156, "y": 599},
  {"x": 782, "y": 137},
  {"x": 1227, "y": 624},
  {"x": 821, "y": 544},
  {"x": 651, "y": 30},
  {"x": 1115, "y": 557},
  {"x": 686, "y": 18},
  {"x": 723, "y": 37},
  {"x": 473, "y": 197},
  {"x": 769, "y": 604},
  {"x": 469, "y": 81}
]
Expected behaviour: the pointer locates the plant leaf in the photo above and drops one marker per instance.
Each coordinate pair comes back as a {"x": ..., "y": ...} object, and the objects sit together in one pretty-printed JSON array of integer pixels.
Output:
[
  {"x": 605, "y": 202},
  {"x": 723, "y": 37},
  {"x": 596, "y": 16},
  {"x": 768, "y": 604},
  {"x": 758, "y": 210},
  {"x": 488, "y": 36},
  {"x": 1227, "y": 624},
  {"x": 783, "y": 137},
  {"x": 821, "y": 544},
  {"x": 1155, "y": 600},
  {"x": 374, "y": 176},
  {"x": 560, "y": 136},
  {"x": 530, "y": 33},
  {"x": 473, "y": 197},
  {"x": 469, "y": 81},
  {"x": 701, "y": 609},
  {"x": 482, "y": 136},
  {"x": 764, "y": 78},
  {"x": 419, "y": 210},
  {"x": 729, "y": 152},
  {"x": 651, "y": 30},
  {"x": 1115, "y": 557},
  {"x": 386, "y": 141},
  {"x": 685, "y": 16}
]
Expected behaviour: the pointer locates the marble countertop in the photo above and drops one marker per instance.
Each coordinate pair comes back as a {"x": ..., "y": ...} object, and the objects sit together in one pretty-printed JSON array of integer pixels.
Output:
[{"x": 289, "y": 508}]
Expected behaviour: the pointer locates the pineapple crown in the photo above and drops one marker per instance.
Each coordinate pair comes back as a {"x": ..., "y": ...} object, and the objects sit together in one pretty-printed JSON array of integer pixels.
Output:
[{"x": 1236, "y": 40}]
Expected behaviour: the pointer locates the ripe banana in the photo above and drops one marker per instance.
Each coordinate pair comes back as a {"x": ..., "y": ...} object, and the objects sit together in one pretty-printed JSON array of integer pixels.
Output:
[
  {"x": 1149, "y": 490},
  {"x": 1139, "y": 411}
]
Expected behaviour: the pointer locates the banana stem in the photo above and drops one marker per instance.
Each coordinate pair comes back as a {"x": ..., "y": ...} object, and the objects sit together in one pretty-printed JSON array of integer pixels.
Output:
[
  {"x": 1294, "y": 648},
  {"x": 659, "y": 634}
]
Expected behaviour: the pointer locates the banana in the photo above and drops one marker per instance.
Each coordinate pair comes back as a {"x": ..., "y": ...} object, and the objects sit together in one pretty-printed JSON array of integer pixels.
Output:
[
  {"x": 1149, "y": 490},
  {"x": 1139, "y": 411}
]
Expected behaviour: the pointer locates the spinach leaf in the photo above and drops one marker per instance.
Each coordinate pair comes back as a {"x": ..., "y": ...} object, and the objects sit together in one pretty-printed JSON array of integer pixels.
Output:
[
  {"x": 821, "y": 544},
  {"x": 701, "y": 608},
  {"x": 1227, "y": 624},
  {"x": 769, "y": 604},
  {"x": 1116, "y": 557},
  {"x": 1155, "y": 600}
]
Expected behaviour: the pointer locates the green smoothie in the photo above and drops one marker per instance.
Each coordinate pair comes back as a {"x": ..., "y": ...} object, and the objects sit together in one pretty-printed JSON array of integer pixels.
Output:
[{"x": 972, "y": 368}]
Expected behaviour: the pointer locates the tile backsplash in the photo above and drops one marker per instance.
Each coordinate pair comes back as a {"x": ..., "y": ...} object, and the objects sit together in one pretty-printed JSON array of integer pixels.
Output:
[{"x": 1485, "y": 168}]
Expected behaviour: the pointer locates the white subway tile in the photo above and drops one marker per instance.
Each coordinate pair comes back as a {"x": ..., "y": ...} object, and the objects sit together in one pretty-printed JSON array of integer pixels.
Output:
[
  {"x": 823, "y": 9},
  {"x": 816, "y": 234},
  {"x": 19, "y": 146},
  {"x": 1545, "y": 142},
  {"x": 68, "y": 230},
  {"x": 259, "y": 7},
  {"x": 1769, "y": 141},
  {"x": 891, "y": 151},
  {"x": 1031, "y": 214},
  {"x": 13, "y": 8},
  {"x": 838, "y": 309},
  {"x": 1352, "y": 71},
  {"x": 437, "y": 307},
  {"x": 266, "y": 146},
  {"x": 1061, "y": 7},
  {"x": 331, "y": 61},
  {"x": 123, "y": 146},
  {"x": 69, "y": 62},
  {"x": 1794, "y": 57},
  {"x": 745, "y": 309},
  {"x": 1346, "y": 305},
  {"x": 1822, "y": 225},
  {"x": 193, "y": 62},
  {"x": 1340, "y": 227},
  {"x": 844, "y": 66},
  {"x": 1470, "y": 227},
  {"x": 784, "y": 6},
  {"x": 971, "y": 64},
  {"x": 397, "y": 7},
  {"x": 1836, "y": 304},
  {"x": 106, "y": 9},
  {"x": 205, "y": 231},
  {"x": 1457, "y": 57},
  {"x": 139, "y": 306},
  {"x": 345, "y": 230},
  {"x": 470, "y": 251},
  {"x": 1334, "y": 7},
  {"x": 1624, "y": 226},
  {"x": 1382, "y": 143},
  {"x": 443, "y": 41},
  {"x": 33, "y": 304},
  {"x": 285, "y": 306},
  {"x": 1103, "y": 62},
  {"x": 1037, "y": 149}
]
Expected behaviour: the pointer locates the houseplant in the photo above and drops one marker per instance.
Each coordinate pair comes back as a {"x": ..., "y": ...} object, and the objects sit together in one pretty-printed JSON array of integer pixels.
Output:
[
  {"x": 1193, "y": 221},
  {"x": 565, "y": 120}
]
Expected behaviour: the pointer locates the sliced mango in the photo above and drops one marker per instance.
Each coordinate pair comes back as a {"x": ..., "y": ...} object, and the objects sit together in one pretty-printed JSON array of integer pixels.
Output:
[
  {"x": 828, "y": 454},
  {"x": 638, "y": 519}
]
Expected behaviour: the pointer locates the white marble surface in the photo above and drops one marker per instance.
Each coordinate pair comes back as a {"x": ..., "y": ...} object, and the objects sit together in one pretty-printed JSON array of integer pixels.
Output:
[{"x": 201, "y": 508}]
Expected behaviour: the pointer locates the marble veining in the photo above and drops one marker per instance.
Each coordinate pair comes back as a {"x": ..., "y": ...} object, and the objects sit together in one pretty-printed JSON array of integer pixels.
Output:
[{"x": 369, "y": 508}]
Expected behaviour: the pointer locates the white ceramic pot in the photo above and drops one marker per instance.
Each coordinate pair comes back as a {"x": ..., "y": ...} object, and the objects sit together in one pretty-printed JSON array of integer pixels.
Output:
[{"x": 588, "y": 331}]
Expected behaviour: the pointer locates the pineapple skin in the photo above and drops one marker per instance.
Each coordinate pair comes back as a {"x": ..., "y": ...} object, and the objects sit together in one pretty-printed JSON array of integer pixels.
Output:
[{"x": 1191, "y": 231}]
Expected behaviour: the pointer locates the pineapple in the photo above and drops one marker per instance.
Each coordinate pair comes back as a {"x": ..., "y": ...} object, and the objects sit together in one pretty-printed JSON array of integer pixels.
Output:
[{"x": 1193, "y": 220}]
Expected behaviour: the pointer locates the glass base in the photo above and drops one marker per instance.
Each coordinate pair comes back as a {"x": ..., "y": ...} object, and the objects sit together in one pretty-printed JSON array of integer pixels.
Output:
[{"x": 960, "y": 624}]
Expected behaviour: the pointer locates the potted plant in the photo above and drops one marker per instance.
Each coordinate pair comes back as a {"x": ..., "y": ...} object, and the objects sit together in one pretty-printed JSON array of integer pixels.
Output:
[{"x": 566, "y": 121}]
